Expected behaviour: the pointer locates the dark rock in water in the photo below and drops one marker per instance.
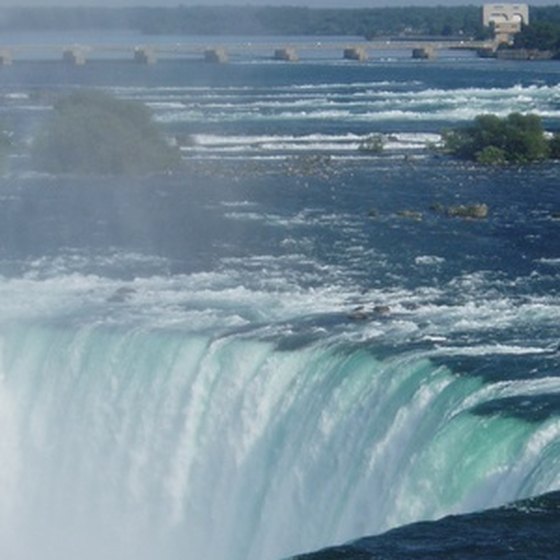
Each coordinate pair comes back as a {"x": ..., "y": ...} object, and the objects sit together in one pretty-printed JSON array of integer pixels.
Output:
[
  {"x": 525, "y": 530},
  {"x": 477, "y": 211},
  {"x": 372, "y": 213},
  {"x": 358, "y": 314},
  {"x": 555, "y": 215},
  {"x": 382, "y": 310}
]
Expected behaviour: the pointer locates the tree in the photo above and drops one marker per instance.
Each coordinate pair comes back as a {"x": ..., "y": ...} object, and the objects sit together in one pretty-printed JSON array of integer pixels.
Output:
[
  {"x": 541, "y": 35},
  {"x": 92, "y": 132}
]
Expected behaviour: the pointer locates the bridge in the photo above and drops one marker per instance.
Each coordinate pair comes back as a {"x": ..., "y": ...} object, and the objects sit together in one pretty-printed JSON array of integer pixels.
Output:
[{"x": 78, "y": 54}]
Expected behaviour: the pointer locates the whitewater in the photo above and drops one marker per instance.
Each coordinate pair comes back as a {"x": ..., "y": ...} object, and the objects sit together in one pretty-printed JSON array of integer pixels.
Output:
[{"x": 285, "y": 346}]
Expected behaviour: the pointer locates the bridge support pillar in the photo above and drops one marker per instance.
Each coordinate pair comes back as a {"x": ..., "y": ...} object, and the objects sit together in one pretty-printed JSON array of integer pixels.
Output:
[
  {"x": 145, "y": 55},
  {"x": 424, "y": 53},
  {"x": 355, "y": 53},
  {"x": 216, "y": 55},
  {"x": 288, "y": 54},
  {"x": 74, "y": 56},
  {"x": 5, "y": 57},
  {"x": 487, "y": 52}
]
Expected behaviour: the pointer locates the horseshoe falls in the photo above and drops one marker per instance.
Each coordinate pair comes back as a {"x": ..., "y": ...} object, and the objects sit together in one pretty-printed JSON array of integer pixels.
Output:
[
  {"x": 142, "y": 443},
  {"x": 284, "y": 346}
]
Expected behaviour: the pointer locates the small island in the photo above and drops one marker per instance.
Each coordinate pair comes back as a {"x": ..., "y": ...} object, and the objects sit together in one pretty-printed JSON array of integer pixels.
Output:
[
  {"x": 94, "y": 133},
  {"x": 491, "y": 140}
]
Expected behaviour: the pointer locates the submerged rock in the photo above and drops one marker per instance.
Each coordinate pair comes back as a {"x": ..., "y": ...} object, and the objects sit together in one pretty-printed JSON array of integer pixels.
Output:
[
  {"x": 410, "y": 214},
  {"x": 358, "y": 314},
  {"x": 382, "y": 310},
  {"x": 477, "y": 211}
]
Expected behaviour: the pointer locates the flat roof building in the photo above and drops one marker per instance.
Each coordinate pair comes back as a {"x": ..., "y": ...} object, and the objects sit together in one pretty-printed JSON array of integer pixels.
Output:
[{"x": 507, "y": 19}]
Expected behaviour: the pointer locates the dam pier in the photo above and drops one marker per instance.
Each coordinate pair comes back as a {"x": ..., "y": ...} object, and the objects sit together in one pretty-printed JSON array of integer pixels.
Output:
[{"x": 78, "y": 55}]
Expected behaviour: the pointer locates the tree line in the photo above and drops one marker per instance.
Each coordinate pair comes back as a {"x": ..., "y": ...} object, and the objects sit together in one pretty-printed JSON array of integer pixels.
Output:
[
  {"x": 540, "y": 35},
  {"x": 253, "y": 20},
  {"x": 543, "y": 33}
]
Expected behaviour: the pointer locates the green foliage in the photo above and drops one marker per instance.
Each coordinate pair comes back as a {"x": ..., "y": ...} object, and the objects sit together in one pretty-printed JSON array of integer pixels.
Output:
[
  {"x": 491, "y": 155},
  {"x": 463, "y": 20},
  {"x": 541, "y": 35},
  {"x": 514, "y": 139},
  {"x": 94, "y": 133},
  {"x": 253, "y": 20}
]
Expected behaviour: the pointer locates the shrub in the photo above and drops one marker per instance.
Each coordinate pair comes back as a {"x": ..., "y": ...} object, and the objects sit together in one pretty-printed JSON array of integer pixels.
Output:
[
  {"x": 491, "y": 156},
  {"x": 95, "y": 133}
]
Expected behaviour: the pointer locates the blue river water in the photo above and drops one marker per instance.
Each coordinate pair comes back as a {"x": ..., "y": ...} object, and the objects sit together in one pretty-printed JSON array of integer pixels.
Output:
[{"x": 288, "y": 344}]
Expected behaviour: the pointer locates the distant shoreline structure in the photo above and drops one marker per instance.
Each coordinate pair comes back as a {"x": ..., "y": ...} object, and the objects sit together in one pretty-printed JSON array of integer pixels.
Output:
[
  {"x": 441, "y": 21},
  {"x": 495, "y": 30}
]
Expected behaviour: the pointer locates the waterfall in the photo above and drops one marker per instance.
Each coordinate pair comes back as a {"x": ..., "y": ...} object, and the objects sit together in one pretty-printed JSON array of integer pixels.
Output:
[{"x": 123, "y": 442}]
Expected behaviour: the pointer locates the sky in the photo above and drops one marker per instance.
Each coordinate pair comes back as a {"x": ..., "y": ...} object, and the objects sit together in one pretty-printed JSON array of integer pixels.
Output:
[{"x": 310, "y": 3}]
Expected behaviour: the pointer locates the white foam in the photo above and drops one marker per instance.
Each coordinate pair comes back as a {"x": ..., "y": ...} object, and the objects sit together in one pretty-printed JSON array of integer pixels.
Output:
[
  {"x": 18, "y": 96},
  {"x": 429, "y": 260},
  {"x": 490, "y": 350},
  {"x": 361, "y": 102},
  {"x": 251, "y": 145},
  {"x": 549, "y": 261}
]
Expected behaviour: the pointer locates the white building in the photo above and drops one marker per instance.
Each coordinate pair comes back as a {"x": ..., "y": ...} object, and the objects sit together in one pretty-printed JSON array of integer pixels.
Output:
[{"x": 507, "y": 19}]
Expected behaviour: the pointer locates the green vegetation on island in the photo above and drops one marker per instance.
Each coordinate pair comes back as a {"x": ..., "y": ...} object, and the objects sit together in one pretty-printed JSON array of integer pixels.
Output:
[
  {"x": 492, "y": 140},
  {"x": 91, "y": 132}
]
